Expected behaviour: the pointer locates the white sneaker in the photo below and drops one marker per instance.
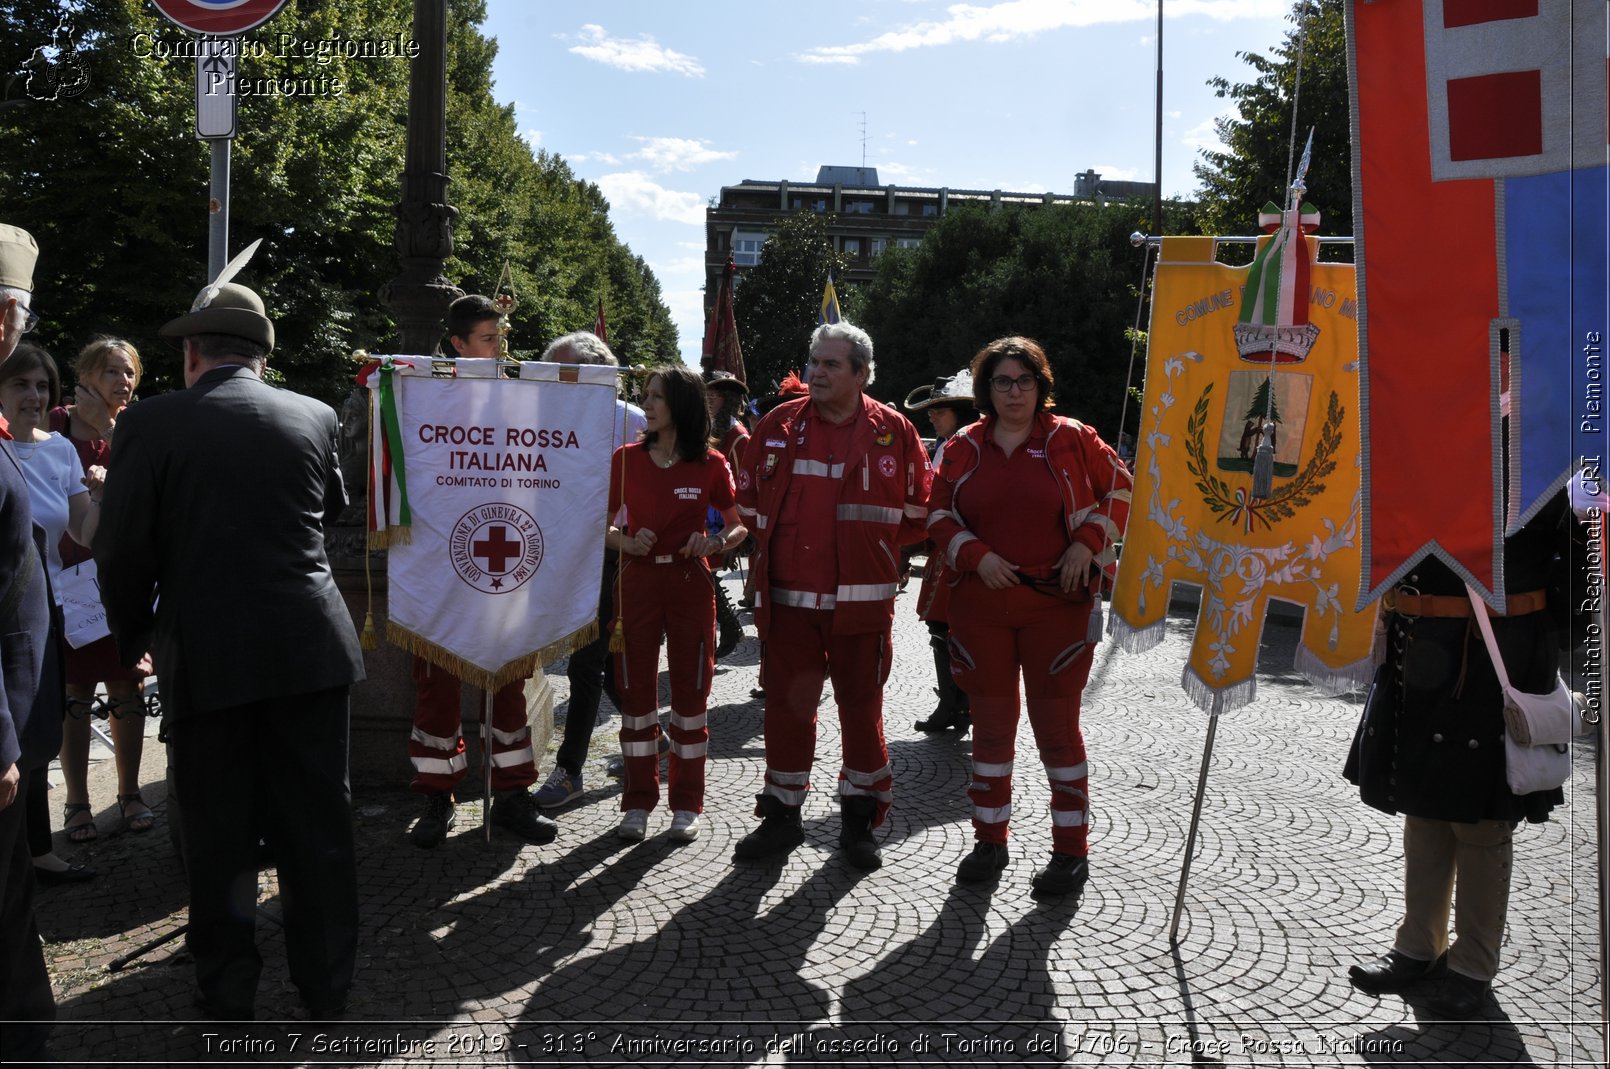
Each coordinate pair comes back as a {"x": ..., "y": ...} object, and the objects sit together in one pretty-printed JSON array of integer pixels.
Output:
[
  {"x": 634, "y": 825},
  {"x": 685, "y": 826}
]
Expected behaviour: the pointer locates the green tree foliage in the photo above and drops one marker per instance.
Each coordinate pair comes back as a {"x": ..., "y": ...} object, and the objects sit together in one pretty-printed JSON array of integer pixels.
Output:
[
  {"x": 1238, "y": 182},
  {"x": 114, "y": 185},
  {"x": 1064, "y": 275},
  {"x": 1263, "y": 405},
  {"x": 778, "y": 300}
]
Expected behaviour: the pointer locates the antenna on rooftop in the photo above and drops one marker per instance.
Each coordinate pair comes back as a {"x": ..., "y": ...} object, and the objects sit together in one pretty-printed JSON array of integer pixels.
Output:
[{"x": 863, "y": 146}]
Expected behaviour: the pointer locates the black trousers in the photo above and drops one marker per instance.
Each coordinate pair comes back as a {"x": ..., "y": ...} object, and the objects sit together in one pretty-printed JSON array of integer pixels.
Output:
[
  {"x": 587, "y": 672},
  {"x": 26, "y": 1004},
  {"x": 273, "y": 770}
]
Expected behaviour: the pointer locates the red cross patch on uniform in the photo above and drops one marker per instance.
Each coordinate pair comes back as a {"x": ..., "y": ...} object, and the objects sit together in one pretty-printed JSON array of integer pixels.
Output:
[{"x": 886, "y": 464}]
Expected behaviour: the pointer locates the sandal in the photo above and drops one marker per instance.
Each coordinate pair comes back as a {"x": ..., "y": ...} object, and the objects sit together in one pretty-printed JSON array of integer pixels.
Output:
[
  {"x": 84, "y": 831},
  {"x": 139, "y": 821}
]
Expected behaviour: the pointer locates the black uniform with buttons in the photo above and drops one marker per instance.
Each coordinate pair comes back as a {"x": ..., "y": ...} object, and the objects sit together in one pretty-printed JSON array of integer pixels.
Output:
[{"x": 1434, "y": 747}]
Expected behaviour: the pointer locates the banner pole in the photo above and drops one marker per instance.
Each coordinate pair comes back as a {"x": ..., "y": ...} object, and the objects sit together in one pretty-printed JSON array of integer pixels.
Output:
[
  {"x": 1196, "y": 816},
  {"x": 486, "y": 762}
]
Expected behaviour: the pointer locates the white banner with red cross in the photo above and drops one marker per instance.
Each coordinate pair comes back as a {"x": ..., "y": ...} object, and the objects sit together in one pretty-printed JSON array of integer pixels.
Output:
[{"x": 490, "y": 494}]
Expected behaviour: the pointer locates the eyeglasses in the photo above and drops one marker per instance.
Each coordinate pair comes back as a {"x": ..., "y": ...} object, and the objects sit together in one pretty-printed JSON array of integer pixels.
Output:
[
  {"x": 1004, "y": 383},
  {"x": 32, "y": 319}
]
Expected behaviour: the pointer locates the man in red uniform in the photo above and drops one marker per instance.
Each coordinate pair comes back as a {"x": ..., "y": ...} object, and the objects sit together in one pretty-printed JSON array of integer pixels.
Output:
[
  {"x": 435, "y": 747},
  {"x": 832, "y": 485}
]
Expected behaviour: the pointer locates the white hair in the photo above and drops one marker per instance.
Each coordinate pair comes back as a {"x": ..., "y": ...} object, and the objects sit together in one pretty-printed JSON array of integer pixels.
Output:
[
  {"x": 584, "y": 347},
  {"x": 859, "y": 340}
]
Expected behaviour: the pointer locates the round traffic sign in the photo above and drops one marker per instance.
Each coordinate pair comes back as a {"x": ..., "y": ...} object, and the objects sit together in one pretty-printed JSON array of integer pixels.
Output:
[{"x": 218, "y": 18}]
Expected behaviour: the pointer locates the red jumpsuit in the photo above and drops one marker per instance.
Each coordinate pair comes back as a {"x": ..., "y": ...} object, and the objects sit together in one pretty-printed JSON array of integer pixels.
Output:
[
  {"x": 437, "y": 749},
  {"x": 830, "y": 507},
  {"x": 1062, "y": 484},
  {"x": 665, "y": 593}
]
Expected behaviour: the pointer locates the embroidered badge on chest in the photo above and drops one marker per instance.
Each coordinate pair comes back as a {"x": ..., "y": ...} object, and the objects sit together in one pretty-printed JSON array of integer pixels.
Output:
[
  {"x": 885, "y": 438},
  {"x": 887, "y": 466}
]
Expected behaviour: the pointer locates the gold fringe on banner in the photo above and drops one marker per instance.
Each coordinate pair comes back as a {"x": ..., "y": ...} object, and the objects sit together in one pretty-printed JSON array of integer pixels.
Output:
[
  {"x": 519, "y": 668},
  {"x": 391, "y": 536}
]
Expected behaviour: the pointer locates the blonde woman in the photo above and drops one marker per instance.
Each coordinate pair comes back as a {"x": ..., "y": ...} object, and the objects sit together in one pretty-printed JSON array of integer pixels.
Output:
[{"x": 108, "y": 370}]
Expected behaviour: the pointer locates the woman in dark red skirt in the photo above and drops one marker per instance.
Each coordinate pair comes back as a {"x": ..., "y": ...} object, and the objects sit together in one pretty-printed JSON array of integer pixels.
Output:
[{"x": 107, "y": 370}]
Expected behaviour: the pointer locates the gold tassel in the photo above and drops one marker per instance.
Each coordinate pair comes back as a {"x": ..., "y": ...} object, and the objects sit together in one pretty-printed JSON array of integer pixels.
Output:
[
  {"x": 370, "y": 638},
  {"x": 617, "y": 638}
]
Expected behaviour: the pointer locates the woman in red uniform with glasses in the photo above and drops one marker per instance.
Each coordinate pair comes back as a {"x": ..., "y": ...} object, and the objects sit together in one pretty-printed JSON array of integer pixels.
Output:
[
  {"x": 1026, "y": 507},
  {"x": 658, "y": 492}
]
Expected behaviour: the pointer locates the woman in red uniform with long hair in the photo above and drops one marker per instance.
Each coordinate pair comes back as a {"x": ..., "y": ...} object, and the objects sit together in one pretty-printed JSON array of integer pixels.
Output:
[
  {"x": 659, "y": 490},
  {"x": 1026, "y": 507}
]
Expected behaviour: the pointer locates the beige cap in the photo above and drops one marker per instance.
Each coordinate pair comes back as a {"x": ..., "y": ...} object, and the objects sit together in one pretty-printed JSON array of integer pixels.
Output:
[{"x": 18, "y": 253}]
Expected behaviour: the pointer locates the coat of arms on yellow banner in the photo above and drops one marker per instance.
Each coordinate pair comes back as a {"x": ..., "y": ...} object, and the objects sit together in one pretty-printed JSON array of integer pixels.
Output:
[{"x": 1243, "y": 361}]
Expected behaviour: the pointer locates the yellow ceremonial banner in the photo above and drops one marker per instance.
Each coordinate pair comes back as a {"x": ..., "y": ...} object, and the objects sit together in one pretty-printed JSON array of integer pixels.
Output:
[{"x": 1209, "y": 407}]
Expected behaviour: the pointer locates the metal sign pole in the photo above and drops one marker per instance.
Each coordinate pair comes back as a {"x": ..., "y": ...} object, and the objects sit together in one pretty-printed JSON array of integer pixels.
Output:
[
  {"x": 218, "y": 209},
  {"x": 215, "y": 124}
]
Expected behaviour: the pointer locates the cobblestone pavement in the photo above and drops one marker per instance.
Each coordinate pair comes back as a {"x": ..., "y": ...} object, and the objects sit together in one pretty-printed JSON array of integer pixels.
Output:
[{"x": 595, "y": 951}]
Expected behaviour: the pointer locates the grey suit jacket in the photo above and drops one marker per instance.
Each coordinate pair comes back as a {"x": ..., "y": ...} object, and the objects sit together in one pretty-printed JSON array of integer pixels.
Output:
[
  {"x": 30, "y": 712},
  {"x": 214, "y": 509}
]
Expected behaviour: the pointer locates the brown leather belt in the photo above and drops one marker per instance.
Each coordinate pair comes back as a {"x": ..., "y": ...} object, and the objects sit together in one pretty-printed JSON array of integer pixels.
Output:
[{"x": 1405, "y": 604}]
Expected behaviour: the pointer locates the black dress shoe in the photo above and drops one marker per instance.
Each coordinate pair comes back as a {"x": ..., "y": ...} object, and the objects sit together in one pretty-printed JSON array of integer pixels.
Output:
[
  {"x": 220, "y": 1011},
  {"x": 1460, "y": 998},
  {"x": 74, "y": 873},
  {"x": 1393, "y": 971}
]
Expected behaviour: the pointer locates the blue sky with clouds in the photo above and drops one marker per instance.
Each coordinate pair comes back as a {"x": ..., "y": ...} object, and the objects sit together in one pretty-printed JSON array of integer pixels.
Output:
[{"x": 661, "y": 104}]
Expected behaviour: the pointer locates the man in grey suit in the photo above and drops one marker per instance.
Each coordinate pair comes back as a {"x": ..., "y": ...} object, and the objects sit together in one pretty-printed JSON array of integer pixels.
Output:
[{"x": 215, "y": 513}]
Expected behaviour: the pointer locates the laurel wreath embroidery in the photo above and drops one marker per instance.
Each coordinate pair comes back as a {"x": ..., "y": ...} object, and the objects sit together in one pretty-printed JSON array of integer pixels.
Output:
[{"x": 1232, "y": 504}]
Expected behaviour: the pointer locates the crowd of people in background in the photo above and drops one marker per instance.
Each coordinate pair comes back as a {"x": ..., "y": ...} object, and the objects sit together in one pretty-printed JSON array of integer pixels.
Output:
[{"x": 823, "y": 490}]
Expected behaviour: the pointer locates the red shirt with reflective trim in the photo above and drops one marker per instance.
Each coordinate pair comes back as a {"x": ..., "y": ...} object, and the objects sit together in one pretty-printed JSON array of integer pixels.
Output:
[
  {"x": 1014, "y": 507},
  {"x": 672, "y": 501},
  {"x": 804, "y": 548}
]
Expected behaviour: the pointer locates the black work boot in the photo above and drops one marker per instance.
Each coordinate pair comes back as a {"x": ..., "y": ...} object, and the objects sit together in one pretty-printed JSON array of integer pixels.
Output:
[
  {"x": 433, "y": 824},
  {"x": 780, "y": 831},
  {"x": 731, "y": 630},
  {"x": 860, "y": 848},
  {"x": 952, "y": 710}
]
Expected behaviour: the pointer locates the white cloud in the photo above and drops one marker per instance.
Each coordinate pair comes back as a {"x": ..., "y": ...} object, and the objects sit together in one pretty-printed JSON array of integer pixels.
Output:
[
  {"x": 634, "y": 54},
  {"x": 532, "y": 137},
  {"x": 1027, "y": 18},
  {"x": 1205, "y": 135},
  {"x": 1120, "y": 174},
  {"x": 595, "y": 157},
  {"x": 634, "y": 191},
  {"x": 678, "y": 153}
]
